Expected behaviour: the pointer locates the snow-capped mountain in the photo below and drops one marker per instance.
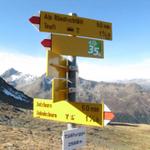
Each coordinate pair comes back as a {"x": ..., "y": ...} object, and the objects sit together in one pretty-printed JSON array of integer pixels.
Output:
[
  {"x": 9, "y": 94},
  {"x": 30, "y": 85},
  {"x": 40, "y": 88},
  {"x": 129, "y": 100},
  {"x": 17, "y": 79}
]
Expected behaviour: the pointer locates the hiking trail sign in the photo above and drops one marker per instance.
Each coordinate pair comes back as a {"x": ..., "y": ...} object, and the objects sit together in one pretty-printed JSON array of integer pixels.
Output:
[
  {"x": 73, "y": 25},
  {"x": 78, "y": 44},
  {"x": 75, "y": 46},
  {"x": 91, "y": 114}
]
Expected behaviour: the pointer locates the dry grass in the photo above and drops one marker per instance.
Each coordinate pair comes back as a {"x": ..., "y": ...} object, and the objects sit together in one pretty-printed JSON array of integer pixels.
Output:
[
  {"x": 20, "y": 131},
  {"x": 109, "y": 138}
]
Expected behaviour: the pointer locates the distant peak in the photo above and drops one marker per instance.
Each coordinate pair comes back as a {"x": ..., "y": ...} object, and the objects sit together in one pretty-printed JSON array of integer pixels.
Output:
[
  {"x": 9, "y": 72},
  {"x": 12, "y": 70}
]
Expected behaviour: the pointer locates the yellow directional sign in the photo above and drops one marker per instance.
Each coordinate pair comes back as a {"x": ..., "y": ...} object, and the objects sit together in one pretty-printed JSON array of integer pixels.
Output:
[
  {"x": 74, "y": 46},
  {"x": 72, "y": 112},
  {"x": 56, "y": 65},
  {"x": 78, "y": 26}
]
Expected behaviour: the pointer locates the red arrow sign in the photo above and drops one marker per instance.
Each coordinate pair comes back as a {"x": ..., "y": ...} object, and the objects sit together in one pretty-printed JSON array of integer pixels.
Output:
[
  {"x": 47, "y": 43},
  {"x": 35, "y": 20},
  {"x": 108, "y": 115}
]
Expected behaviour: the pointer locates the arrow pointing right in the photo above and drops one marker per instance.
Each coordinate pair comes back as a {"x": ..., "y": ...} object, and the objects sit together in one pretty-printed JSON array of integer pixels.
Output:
[{"x": 108, "y": 115}]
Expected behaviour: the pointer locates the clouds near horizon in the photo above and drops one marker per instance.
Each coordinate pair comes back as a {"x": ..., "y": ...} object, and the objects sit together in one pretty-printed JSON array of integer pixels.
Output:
[
  {"x": 23, "y": 63},
  {"x": 87, "y": 69},
  {"x": 113, "y": 72}
]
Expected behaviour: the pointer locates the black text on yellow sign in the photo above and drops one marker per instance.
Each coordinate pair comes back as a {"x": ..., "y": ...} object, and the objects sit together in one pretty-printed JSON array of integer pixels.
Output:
[
  {"x": 75, "y": 46},
  {"x": 78, "y": 26},
  {"x": 73, "y": 112}
]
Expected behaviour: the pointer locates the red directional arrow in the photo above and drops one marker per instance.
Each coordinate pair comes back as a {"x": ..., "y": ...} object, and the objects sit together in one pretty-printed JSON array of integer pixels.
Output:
[
  {"x": 108, "y": 115},
  {"x": 35, "y": 20},
  {"x": 47, "y": 43}
]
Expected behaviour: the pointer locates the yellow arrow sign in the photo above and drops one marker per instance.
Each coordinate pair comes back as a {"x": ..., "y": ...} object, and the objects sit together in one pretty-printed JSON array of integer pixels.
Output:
[
  {"x": 78, "y": 26},
  {"x": 72, "y": 112},
  {"x": 74, "y": 46}
]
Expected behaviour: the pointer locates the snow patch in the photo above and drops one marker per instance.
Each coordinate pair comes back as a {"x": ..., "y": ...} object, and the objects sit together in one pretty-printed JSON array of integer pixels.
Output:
[
  {"x": 15, "y": 95},
  {"x": 29, "y": 78},
  {"x": 21, "y": 76},
  {"x": 15, "y": 77}
]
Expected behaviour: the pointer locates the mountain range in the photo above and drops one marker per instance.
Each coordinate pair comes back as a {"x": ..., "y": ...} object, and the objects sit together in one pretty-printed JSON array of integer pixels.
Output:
[
  {"x": 8, "y": 94},
  {"x": 31, "y": 85},
  {"x": 17, "y": 79},
  {"x": 130, "y": 100}
]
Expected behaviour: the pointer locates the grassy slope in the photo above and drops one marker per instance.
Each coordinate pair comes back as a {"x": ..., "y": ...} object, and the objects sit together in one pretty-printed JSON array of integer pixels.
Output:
[
  {"x": 109, "y": 138},
  {"x": 20, "y": 131}
]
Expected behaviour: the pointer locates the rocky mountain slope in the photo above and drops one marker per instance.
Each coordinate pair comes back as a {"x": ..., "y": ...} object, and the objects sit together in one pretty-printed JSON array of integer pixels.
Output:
[
  {"x": 130, "y": 101},
  {"x": 40, "y": 88},
  {"x": 32, "y": 86},
  {"x": 10, "y": 95},
  {"x": 144, "y": 83},
  {"x": 17, "y": 79}
]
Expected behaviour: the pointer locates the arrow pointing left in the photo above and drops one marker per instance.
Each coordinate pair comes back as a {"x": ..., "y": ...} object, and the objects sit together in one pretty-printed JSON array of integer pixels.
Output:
[
  {"x": 47, "y": 43},
  {"x": 35, "y": 20}
]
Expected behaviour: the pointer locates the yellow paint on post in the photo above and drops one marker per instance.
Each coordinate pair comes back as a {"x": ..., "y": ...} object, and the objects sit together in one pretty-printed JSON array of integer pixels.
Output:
[
  {"x": 75, "y": 46},
  {"x": 77, "y": 26},
  {"x": 90, "y": 114},
  {"x": 56, "y": 65},
  {"x": 59, "y": 90}
]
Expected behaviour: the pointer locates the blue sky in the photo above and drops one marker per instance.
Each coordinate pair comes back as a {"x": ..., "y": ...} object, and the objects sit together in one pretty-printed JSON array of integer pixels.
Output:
[{"x": 129, "y": 50}]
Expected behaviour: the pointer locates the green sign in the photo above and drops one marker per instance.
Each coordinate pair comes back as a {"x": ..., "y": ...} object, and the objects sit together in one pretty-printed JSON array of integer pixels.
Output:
[{"x": 94, "y": 48}]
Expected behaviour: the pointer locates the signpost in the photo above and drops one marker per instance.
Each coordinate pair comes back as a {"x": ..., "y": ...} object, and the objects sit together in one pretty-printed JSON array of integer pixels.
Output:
[
  {"x": 73, "y": 25},
  {"x": 75, "y": 46},
  {"x": 63, "y": 107},
  {"x": 73, "y": 112},
  {"x": 74, "y": 138},
  {"x": 91, "y": 114}
]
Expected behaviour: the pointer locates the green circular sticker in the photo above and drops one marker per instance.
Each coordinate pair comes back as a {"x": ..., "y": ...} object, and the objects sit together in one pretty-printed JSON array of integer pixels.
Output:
[{"x": 94, "y": 47}]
